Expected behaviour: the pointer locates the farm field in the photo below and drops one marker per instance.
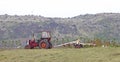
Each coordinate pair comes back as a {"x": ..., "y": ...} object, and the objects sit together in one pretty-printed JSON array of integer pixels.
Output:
[{"x": 95, "y": 54}]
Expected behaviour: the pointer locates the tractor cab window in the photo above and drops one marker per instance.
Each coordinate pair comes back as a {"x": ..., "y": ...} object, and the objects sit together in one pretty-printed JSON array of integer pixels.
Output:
[
  {"x": 37, "y": 35},
  {"x": 45, "y": 35}
]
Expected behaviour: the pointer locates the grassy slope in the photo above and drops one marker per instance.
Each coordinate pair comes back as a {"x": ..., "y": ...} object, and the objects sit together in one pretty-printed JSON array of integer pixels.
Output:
[{"x": 97, "y": 54}]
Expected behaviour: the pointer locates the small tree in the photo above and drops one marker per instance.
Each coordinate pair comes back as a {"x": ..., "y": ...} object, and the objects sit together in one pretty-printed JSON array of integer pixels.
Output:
[
  {"x": 107, "y": 43},
  {"x": 97, "y": 42}
]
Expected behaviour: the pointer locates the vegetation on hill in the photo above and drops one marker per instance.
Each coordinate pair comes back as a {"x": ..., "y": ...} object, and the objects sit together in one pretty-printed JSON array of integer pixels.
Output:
[{"x": 105, "y": 26}]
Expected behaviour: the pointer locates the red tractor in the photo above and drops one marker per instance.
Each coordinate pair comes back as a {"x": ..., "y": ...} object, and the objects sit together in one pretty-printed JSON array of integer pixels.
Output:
[{"x": 43, "y": 42}]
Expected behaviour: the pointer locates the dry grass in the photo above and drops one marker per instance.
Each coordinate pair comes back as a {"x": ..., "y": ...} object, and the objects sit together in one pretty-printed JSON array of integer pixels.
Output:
[{"x": 97, "y": 54}]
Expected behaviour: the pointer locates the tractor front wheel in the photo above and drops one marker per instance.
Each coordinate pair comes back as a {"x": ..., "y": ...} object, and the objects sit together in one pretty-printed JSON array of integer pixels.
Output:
[{"x": 27, "y": 47}]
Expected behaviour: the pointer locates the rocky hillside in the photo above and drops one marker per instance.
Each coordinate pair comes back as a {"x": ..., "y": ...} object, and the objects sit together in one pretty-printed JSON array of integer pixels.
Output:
[{"x": 102, "y": 25}]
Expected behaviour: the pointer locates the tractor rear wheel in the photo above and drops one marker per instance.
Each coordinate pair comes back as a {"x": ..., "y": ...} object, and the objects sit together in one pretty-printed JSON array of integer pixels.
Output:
[{"x": 44, "y": 44}]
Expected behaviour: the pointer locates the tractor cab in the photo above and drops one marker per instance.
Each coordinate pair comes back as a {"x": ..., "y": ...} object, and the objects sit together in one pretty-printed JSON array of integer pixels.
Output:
[
  {"x": 41, "y": 40},
  {"x": 46, "y": 35}
]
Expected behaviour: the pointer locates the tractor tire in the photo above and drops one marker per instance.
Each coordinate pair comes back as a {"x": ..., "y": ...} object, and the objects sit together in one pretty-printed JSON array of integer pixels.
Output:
[
  {"x": 27, "y": 47},
  {"x": 44, "y": 44},
  {"x": 50, "y": 45}
]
